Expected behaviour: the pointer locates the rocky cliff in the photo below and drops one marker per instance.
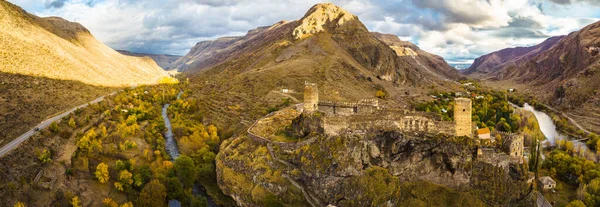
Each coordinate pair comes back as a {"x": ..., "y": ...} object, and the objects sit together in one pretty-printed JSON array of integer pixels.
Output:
[{"x": 376, "y": 168}]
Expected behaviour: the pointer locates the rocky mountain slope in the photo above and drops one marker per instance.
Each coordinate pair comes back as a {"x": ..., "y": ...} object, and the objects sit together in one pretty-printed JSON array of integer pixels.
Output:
[
  {"x": 430, "y": 63},
  {"x": 55, "y": 48},
  {"x": 562, "y": 71},
  {"x": 163, "y": 60},
  {"x": 326, "y": 33},
  {"x": 506, "y": 57}
]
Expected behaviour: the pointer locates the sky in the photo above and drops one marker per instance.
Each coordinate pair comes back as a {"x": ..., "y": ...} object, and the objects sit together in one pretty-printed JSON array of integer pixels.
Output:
[{"x": 458, "y": 30}]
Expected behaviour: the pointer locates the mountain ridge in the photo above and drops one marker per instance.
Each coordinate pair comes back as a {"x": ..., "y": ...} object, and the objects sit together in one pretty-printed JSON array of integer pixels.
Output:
[{"x": 56, "y": 48}]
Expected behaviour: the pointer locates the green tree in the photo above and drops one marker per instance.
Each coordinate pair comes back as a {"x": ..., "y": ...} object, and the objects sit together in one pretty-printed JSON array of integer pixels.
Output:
[
  {"x": 102, "y": 173},
  {"x": 153, "y": 194},
  {"x": 72, "y": 123},
  {"x": 174, "y": 189},
  {"x": 576, "y": 203},
  {"x": 54, "y": 127},
  {"x": 186, "y": 170}
]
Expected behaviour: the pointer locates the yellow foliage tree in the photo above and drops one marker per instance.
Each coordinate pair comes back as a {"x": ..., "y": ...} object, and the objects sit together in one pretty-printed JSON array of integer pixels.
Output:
[
  {"x": 102, "y": 173},
  {"x": 72, "y": 123},
  {"x": 125, "y": 177},
  {"x": 19, "y": 204},
  {"x": 108, "y": 202},
  {"x": 380, "y": 94},
  {"x": 128, "y": 204},
  {"x": 75, "y": 202},
  {"x": 119, "y": 186}
]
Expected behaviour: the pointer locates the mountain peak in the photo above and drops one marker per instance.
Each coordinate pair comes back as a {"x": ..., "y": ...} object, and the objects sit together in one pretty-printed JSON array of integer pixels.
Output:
[{"x": 319, "y": 16}]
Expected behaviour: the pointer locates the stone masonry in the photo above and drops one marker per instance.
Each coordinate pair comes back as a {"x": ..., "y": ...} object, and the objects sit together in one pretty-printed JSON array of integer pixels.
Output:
[
  {"x": 311, "y": 97},
  {"x": 462, "y": 116}
]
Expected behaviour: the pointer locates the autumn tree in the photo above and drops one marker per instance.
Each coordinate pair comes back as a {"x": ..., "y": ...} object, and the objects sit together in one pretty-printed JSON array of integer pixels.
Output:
[
  {"x": 19, "y": 204},
  {"x": 54, "y": 127},
  {"x": 102, "y": 173},
  {"x": 153, "y": 194},
  {"x": 72, "y": 123},
  {"x": 576, "y": 203},
  {"x": 75, "y": 202},
  {"x": 109, "y": 202}
]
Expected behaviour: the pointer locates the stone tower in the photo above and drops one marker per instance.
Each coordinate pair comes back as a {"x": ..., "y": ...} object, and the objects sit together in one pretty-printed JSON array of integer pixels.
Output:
[
  {"x": 462, "y": 117},
  {"x": 311, "y": 97},
  {"x": 516, "y": 146}
]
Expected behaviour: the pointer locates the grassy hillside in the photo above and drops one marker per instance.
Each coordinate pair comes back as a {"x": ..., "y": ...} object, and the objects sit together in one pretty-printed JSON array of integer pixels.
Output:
[
  {"x": 26, "y": 100},
  {"x": 56, "y": 48}
]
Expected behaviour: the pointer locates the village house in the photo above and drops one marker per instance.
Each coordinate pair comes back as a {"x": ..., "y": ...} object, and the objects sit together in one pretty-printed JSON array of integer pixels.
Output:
[
  {"x": 546, "y": 183},
  {"x": 484, "y": 134}
]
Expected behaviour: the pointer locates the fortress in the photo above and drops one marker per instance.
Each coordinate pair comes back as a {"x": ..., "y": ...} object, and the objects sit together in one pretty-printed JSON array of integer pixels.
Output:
[{"x": 365, "y": 115}]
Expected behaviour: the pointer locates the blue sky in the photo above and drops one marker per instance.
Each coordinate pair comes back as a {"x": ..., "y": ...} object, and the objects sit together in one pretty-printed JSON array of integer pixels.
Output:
[{"x": 458, "y": 30}]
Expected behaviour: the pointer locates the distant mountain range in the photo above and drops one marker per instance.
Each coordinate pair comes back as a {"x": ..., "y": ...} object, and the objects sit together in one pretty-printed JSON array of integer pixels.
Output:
[
  {"x": 563, "y": 71},
  {"x": 56, "y": 48},
  {"x": 164, "y": 61}
]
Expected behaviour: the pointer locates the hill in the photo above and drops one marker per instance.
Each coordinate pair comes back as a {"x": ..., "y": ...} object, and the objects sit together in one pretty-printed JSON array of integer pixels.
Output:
[
  {"x": 563, "y": 74},
  {"x": 27, "y": 100},
  {"x": 56, "y": 48},
  {"x": 163, "y": 60},
  {"x": 497, "y": 60}
]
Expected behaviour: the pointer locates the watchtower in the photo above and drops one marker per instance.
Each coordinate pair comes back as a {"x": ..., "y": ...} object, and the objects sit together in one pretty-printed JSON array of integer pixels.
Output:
[
  {"x": 311, "y": 97},
  {"x": 516, "y": 146},
  {"x": 462, "y": 117}
]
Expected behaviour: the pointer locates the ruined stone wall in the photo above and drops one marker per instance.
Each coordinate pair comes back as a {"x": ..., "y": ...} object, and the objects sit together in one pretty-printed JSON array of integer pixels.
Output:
[
  {"x": 366, "y": 106},
  {"x": 385, "y": 121},
  {"x": 462, "y": 117}
]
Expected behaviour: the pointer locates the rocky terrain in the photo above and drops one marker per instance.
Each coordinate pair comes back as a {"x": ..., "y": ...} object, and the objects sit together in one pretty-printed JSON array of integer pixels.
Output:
[
  {"x": 376, "y": 168},
  {"x": 498, "y": 60},
  {"x": 164, "y": 61},
  {"x": 562, "y": 71},
  {"x": 56, "y": 48}
]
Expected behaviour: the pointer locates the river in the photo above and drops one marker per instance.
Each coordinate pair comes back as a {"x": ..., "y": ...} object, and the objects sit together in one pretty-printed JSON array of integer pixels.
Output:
[
  {"x": 173, "y": 151},
  {"x": 548, "y": 128}
]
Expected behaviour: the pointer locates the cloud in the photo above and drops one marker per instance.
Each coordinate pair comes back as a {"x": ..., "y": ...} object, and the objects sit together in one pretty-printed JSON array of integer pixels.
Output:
[
  {"x": 55, "y": 3},
  {"x": 458, "y": 30},
  {"x": 564, "y": 2}
]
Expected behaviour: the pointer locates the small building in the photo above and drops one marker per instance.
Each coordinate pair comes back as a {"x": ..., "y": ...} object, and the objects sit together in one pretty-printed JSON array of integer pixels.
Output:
[
  {"x": 484, "y": 134},
  {"x": 458, "y": 94},
  {"x": 546, "y": 183},
  {"x": 285, "y": 90}
]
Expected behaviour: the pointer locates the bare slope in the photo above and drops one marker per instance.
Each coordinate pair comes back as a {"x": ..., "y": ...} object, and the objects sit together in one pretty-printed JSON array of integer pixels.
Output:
[
  {"x": 26, "y": 100},
  {"x": 497, "y": 60},
  {"x": 564, "y": 75},
  {"x": 55, "y": 48}
]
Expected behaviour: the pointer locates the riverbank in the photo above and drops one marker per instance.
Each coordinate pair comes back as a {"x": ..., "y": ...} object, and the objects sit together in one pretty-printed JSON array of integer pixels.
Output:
[{"x": 173, "y": 151}]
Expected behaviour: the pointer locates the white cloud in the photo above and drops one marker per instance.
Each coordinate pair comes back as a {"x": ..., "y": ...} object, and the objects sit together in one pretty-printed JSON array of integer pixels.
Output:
[{"x": 458, "y": 30}]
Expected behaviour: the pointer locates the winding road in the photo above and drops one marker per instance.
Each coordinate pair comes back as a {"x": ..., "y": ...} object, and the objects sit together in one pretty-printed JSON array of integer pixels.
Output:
[{"x": 44, "y": 124}]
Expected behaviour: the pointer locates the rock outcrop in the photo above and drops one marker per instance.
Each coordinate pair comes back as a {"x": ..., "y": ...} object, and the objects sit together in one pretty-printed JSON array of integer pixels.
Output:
[{"x": 320, "y": 17}]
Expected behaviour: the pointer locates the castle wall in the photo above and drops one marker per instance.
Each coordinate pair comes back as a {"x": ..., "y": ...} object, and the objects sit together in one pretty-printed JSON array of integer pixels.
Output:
[{"x": 336, "y": 125}]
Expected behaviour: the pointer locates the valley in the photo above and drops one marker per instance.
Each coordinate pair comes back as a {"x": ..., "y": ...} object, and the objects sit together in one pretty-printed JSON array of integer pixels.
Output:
[{"x": 323, "y": 110}]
